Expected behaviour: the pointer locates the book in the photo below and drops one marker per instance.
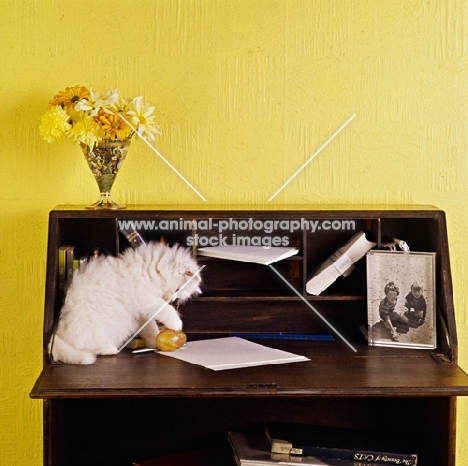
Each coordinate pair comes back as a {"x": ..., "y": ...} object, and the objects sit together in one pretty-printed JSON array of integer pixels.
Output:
[
  {"x": 66, "y": 266},
  {"x": 339, "y": 443},
  {"x": 62, "y": 267},
  {"x": 253, "y": 449},
  {"x": 132, "y": 235},
  {"x": 256, "y": 254},
  {"x": 70, "y": 264},
  {"x": 340, "y": 263}
]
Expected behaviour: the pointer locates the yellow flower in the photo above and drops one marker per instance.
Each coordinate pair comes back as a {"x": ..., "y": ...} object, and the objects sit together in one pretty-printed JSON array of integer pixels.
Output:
[
  {"x": 87, "y": 131},
  {"x": 113, "y": 126},
  {"x": 70, "y": 97},
  {"x": 88, "y": 116},
  {"x": 141, "y": 116},
  {"x": 122, "y": 105},
  {"x": 54, "y": 124},
  {"x": 96, "y": 102}
]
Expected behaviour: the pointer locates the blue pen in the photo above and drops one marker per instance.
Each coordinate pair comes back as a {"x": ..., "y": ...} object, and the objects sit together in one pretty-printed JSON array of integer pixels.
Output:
[{"x": 285, "y": 336}]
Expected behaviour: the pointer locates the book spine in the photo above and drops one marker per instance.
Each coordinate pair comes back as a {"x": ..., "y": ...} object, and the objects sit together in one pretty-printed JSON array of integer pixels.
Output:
[
  {"x": 62, "y": 268},
  {"x": 70, "y": 253},
  {"x": 66, "y": 257},
  {"x": 133, "y": 237},
  {"x": 361, "y": 455}
]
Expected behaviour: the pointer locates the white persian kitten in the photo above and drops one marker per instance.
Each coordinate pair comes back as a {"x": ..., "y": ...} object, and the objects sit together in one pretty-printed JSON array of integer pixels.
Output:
[{"x": 112, "y": 297}]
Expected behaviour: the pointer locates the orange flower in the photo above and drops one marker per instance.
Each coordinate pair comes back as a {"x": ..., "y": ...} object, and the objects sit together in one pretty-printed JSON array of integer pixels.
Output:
[
  {"x": 114, "y": 127},
  {"x": 70, "y": 97}
]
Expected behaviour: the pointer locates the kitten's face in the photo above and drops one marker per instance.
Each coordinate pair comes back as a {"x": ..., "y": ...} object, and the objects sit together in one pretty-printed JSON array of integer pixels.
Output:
[
  {"x": 180, "y": 272},
  {"x": 189, "y": 285}
]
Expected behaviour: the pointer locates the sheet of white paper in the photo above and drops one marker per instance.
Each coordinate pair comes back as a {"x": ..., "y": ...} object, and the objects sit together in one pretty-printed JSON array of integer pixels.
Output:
[
  {"x": 230, "y": 353},
  {"x": 256, "y": 254}
]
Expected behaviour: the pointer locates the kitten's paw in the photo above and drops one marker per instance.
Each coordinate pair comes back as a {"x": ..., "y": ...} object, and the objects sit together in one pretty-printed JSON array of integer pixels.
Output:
[
  {"x": 85, "y": 359},
  {"x": 173, "y": 323},
  {"x": 107, "y": 351},
  {"x": 170, "y": 318},
  {"x": 62, "y": 351}
]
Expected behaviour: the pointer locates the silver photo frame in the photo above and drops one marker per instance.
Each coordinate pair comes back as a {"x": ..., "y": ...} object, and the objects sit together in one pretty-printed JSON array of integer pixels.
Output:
[{"x": 401, "y": 299}]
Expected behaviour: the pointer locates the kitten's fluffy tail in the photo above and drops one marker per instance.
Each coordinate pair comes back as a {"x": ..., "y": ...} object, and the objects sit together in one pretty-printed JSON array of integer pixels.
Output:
[{"x": 64, "y": 352}]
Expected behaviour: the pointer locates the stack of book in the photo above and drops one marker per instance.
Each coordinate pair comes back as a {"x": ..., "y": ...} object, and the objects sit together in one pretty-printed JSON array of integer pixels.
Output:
[{"x": 290, "y": 444}]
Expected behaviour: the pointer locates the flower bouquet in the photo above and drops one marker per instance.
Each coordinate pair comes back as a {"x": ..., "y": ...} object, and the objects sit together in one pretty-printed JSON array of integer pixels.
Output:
[{"x": 103, "y": 125}]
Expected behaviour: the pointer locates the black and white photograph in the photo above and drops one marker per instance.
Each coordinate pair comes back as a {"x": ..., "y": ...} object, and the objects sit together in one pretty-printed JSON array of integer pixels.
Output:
[{"x": 401, "y": 299}]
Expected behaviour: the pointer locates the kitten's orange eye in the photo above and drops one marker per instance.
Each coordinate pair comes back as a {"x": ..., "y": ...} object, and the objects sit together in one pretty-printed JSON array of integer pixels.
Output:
[{"x": 188, "y": 273}]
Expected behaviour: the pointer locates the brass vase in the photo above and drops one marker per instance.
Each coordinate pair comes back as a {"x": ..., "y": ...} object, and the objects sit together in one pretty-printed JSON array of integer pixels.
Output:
[{"x": 105, "y": 160}]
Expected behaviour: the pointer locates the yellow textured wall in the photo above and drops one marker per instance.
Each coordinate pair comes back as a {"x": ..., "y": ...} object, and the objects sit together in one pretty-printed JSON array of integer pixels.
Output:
[{"x": 246, "y": 91}]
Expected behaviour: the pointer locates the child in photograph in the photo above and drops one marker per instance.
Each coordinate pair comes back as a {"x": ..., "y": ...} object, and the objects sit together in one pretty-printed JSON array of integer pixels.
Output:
[
  {"x": 416, "y": 304},
  {"x": 387, "y": 310}
]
